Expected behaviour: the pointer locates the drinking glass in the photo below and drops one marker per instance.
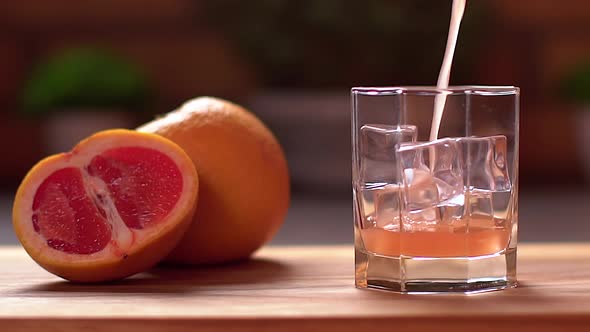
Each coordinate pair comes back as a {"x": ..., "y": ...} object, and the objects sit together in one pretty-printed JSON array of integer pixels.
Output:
[{"x": 435, "y": 215}]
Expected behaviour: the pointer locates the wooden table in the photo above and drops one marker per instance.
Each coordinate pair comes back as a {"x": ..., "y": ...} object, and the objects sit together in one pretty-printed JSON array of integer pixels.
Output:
[{"x": 294, "y": 289}]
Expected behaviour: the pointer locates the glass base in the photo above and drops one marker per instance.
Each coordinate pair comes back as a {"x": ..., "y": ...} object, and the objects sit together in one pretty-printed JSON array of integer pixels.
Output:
[{"x": 436, "y": 275}]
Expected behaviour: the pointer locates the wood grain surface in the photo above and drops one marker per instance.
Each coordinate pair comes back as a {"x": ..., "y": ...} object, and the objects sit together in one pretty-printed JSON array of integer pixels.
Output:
[{"x": 293, "y": 289}]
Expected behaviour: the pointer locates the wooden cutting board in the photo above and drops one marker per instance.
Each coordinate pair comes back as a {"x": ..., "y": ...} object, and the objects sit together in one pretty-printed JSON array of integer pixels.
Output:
[{"x": 294, "y": 289}]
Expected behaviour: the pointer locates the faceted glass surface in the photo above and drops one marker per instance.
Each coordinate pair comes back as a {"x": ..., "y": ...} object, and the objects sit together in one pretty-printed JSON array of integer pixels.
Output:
[{"x": 435, "y": 216}]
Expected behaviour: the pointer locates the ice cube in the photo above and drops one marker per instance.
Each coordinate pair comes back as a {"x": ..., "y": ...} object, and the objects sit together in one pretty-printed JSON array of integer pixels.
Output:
[
  {"x": 480, "y": 203},
  {"x": 452, "y": 211},
  {"x": 479, "y": 209},
  {"x": 431, "y": 172},
  {"x": 379, "y": 205},
  {"x": 387, "y": 207},
  {"x": 432, "y": 180},
  {"x": 502, "y": 202},
  {"x": 485, "y": 163},
  {"x": 420, "y": 189},
  {"x": 420, "y": 219},
  {"x": 377, "y": 151},
  {"x": 487, "y": 180},
  {"x": 454, "y": 181}
]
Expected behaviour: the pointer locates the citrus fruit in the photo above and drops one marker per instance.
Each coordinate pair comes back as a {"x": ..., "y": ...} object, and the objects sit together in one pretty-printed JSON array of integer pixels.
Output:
[
  {"x": 243, "y": 179},
  {"x": 113, "y": 206}
]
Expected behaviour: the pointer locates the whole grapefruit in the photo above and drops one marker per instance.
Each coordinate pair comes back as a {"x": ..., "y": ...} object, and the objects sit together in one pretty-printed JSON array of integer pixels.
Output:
[{"x": 243, "y": 179}]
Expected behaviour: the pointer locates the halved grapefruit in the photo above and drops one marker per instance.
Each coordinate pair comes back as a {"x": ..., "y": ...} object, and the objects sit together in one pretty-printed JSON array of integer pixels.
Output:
[{"x": 114, "y": 206}]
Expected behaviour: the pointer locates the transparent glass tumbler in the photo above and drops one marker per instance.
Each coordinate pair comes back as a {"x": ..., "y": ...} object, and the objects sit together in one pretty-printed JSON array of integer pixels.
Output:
[{"x": 435, "y": 216}]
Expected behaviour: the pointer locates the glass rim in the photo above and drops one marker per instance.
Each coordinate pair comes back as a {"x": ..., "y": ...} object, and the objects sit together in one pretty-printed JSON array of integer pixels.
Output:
[{"x": 490, "y": 90}]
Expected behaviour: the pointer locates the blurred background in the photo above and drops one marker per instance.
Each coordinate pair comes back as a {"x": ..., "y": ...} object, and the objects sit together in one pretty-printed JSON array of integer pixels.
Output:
[{"x": 69, "y": 68}]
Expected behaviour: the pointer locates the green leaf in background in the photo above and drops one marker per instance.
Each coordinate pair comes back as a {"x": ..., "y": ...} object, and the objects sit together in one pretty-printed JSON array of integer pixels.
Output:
[
  {"x": 576, "y": 83},
  {"x": 84, "y": 78}
]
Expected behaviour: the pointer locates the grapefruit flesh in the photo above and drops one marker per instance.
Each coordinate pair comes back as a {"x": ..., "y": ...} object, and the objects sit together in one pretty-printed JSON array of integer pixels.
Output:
[
  {"x": 66, "y": 217},
  {"x": 114, "y": 206},
  {"x": 144, "y": 183}
]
